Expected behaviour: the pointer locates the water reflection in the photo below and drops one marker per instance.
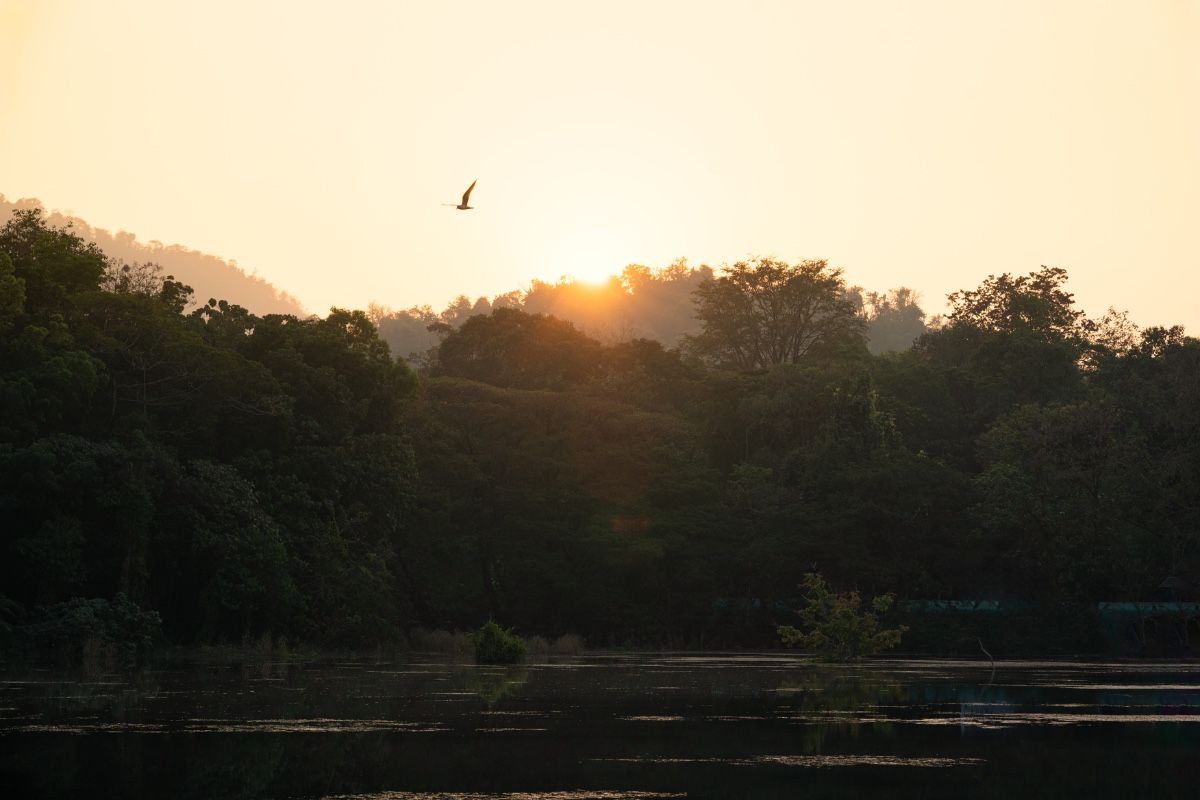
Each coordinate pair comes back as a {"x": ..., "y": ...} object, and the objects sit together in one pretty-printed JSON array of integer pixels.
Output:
[
  {"x": 605, "y": 727},
  {"x": 813, "y": 761},
  {"x": 582, "y": 795},
  {"x": 493, "y": 685}
]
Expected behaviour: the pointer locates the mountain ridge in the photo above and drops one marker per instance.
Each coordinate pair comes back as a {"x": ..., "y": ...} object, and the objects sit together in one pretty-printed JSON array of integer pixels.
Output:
[{"x": 209, "y": 275}]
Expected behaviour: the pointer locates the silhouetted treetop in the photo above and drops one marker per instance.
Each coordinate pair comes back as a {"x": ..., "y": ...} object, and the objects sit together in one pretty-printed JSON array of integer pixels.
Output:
[
  {"x": 1035, "y": 304},
  {"x": 52, "y": 263},
  {"x": 764, "y": 312},
  {"x": 526, "y": 351}
]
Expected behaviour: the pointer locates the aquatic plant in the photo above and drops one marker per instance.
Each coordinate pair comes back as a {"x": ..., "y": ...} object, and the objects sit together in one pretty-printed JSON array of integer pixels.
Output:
[
  {"x": 495, "y": 645},
  {"x": 836, "y": 626}
]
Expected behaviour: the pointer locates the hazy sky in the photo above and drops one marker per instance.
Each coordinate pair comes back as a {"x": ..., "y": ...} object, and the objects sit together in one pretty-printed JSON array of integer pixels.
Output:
[{"x": 919, "y": 143}]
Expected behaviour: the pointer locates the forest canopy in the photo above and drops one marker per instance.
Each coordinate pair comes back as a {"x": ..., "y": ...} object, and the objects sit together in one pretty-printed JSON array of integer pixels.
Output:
[{"x": 241, "y": 474}]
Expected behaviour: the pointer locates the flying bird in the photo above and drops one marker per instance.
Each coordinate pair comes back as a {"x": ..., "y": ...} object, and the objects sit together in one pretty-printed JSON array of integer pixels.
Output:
[{"x": 464, "y": 205}]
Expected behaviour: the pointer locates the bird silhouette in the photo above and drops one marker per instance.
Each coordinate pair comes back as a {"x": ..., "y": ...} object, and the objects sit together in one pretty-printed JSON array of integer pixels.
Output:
[{"x": 464, "y": 205}]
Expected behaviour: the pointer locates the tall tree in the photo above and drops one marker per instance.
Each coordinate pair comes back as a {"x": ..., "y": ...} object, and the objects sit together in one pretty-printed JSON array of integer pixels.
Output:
[
  {"x": 764, "y": 312},
  {"x": 1036, "y": 304}
]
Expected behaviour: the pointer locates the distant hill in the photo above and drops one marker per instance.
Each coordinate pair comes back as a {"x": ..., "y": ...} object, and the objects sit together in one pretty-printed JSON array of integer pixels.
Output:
[{"x": 209, "y": 275}]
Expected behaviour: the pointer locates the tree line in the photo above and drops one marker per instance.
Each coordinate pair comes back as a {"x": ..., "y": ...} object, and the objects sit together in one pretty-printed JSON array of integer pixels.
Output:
[
  {"x": 640, "y": 303},
  {"x": 241, "y": 474}
]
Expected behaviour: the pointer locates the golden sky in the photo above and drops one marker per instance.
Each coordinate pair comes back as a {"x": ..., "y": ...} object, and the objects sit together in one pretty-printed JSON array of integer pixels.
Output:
[{"x": 920, "y": 143}]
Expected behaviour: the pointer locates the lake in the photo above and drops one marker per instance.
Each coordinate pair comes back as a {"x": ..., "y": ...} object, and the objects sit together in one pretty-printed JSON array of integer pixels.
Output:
[{"x": 614, "y": 727}]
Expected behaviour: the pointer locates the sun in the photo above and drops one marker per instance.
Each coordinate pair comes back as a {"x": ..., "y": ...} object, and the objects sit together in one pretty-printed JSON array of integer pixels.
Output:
[
  {"x": 597, "y": 275},
  {"x": 590, "y": 254}
]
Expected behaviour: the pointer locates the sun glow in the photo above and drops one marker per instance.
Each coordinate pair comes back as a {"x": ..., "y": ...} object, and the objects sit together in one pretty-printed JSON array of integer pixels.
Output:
[
  {"x": 642, "y": 134},
  {"x": 589, "y": 254}
]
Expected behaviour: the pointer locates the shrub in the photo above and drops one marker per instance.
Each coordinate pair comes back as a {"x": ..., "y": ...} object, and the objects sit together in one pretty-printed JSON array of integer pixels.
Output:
[
  {"x": 495, "y": 645},
  {"x": 836, "y": 626}
]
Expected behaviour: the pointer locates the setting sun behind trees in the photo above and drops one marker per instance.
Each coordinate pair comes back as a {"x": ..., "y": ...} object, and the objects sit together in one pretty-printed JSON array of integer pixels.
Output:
[
  {"x": 669, "y": 420},
  {"x": 591, "y": 251},
  {"x": 928, "y": 143}
]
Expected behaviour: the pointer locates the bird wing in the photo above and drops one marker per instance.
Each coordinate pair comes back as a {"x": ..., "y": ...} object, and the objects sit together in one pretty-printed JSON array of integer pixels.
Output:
[{"x": 467, "y": 193}]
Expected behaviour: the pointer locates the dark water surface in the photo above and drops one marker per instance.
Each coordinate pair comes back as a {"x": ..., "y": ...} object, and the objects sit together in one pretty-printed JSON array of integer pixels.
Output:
[{"x": 613, "y": 727}]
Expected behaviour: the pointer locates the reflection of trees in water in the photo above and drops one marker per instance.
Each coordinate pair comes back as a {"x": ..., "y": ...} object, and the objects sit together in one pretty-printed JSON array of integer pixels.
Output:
[
  {"x": 840, "y": 703},
  {"x": 264, "y": 666},
  {"x": 825, "y": 690},
  {"x": 494, "y": 685},
  {"x": 736, "y": 734},
  {"x": 240, "y": 766},
  {"x": 67, "y": 700},
  {"x": 49, "y": 769},
  {"x": 135, "y": 767}
]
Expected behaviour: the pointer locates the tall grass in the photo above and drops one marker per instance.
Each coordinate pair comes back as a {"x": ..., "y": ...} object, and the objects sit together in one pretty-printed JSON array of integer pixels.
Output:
[{"x": 456, "y": 643}]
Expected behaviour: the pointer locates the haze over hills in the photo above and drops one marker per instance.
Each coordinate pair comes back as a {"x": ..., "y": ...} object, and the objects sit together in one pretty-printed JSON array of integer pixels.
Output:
[
  {"x": 210, "y": 276},
  {"x": 640, "y": 302}
]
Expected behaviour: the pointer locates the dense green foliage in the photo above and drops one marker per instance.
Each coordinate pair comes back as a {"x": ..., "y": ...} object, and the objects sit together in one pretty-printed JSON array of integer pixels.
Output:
[
  {"x": 495, "y": 645},
  {"x": 95, "y": 632},
  {"x": 237, "y": 474},
  {"x": 835, "y": 625},
  {"x": 243, "y": 474}
]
